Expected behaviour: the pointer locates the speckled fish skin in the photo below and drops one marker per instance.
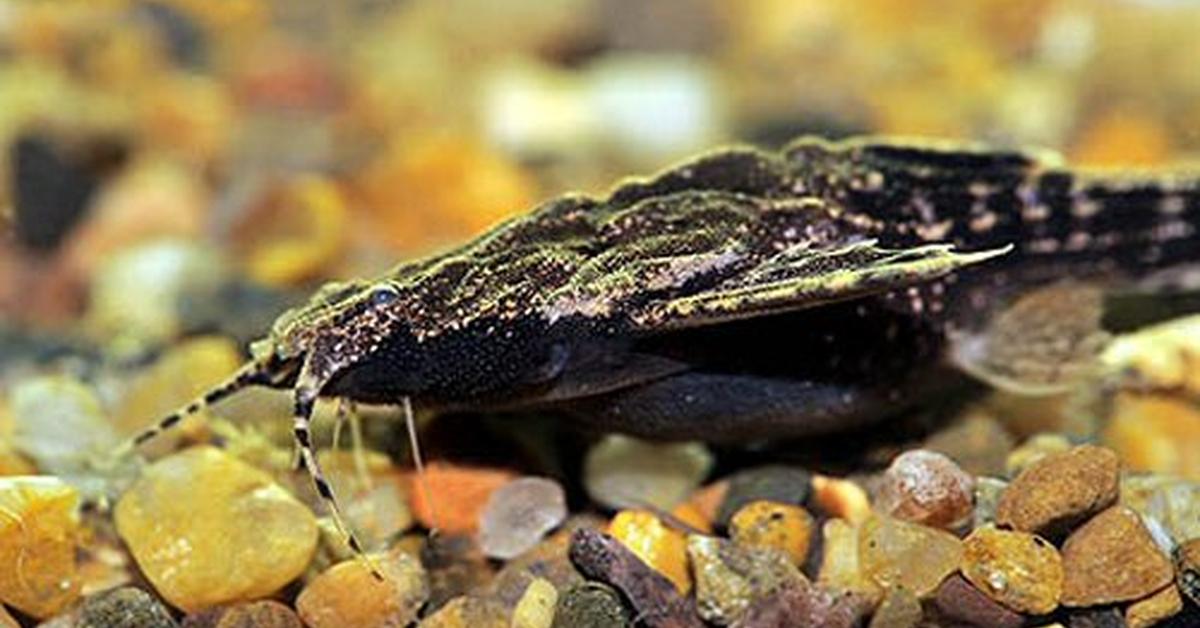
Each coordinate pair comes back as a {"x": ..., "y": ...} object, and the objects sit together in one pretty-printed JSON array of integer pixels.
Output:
[{"x": 740, "y": 295}]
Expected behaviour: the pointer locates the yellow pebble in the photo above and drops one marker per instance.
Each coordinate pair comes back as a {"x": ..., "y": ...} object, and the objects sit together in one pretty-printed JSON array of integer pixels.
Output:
[
  {"x": 535, "y": 609},
  {"x": 39, "y": 529},
  {"x": 770, "y": 524},
  {"x": 841, "y": 498},
  {"x": 660, "y": 547}
]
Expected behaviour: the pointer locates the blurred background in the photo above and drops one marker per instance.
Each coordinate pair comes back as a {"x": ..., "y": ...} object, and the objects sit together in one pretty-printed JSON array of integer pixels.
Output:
[{"x": 176, "y": 166}]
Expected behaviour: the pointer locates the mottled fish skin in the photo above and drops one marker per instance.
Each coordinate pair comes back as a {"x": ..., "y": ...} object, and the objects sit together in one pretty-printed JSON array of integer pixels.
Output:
[{"x": 869, "y": 225}]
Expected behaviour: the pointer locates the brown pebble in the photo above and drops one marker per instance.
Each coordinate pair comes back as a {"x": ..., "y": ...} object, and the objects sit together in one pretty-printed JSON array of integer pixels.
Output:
[
  {"x": 806, "y": 605},
  {"x": 1112, "y": 558},
  {"x": 960, "y": 603},
  {"x": 261, "y": 614},
  {"x": 927, "y": 487},
  {"x": 654, "y": 597},
  {"x": 1157, "y": 607},
  {"x": 1187, "y": 563},
  {"x": 899, "y": 609},
  {"x": 1060, "y": 491},
  {"x": 1017, "y": 569}
]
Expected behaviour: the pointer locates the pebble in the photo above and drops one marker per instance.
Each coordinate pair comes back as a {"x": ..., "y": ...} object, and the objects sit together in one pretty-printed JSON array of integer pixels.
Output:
[
  {"x": 548, "y": 560},
  {"x": 1112, "y": 558},
  {"x": 39, "y": 531},
  {"x": 464, "y": 611},
  {"x": 928, "y": 488},
  {"x": 348, "y": 594},
  {"x": 784, "y": 485},
  {"x": 454, "y": 566},
  {"x": 897, "y": 553},
  {"x": 535, "y": 609},
  {"x": 261, "y": 614},
  {"x": 7, "y": 620},
  {"x": 127, "y": 607},
  {"x": 1061, "y": 490},
  {"x": 519, "y": 514},
  {"x": 731, "y": 578},
  {"x": 1033, "y": 449},
  {"x": 899, "y": 609},
  {"x": 654, "y": 598},
  {"x": 960, "y": 603},
  {"x": 662, "y": 548},
  {"x": 840, "y": 564},
  {"x": 1019, "y": 570},
  {"x": 976, "y": 442},
  {"x": 807, "y": 605},
  {"x": 784, "y": 527},
  {"x": 624, "y": 472},
  {"x": 460, "y": 494},
  {"x": 207, "y": 529},
  {"x": 1173, "y": 502},
  {"x": 1152, "y": 610},
  {"x": 590, "y": 605},
  {"x": 1158, "y": 433},
  {"x": 1108, "y": 617},
  {"x": 842, "y": 498},
  {"x": 1187, "y": 563},
  {"x": 987, "y": 499}
]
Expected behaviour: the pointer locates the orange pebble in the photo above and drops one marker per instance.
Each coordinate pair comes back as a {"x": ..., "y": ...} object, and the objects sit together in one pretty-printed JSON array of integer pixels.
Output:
[
  {"x": 707, "y": 500},
  {"x": 688, "y": 513},
  {"x": 660, "y": 547},
  {"x": 841, "y": 498},
  {"x": 459, "y": 494},
  {"x": 784, "y": 527}
]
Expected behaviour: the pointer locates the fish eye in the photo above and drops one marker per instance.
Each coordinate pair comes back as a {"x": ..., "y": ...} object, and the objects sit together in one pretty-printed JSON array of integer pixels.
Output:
[{"x": 383, "y": 295}]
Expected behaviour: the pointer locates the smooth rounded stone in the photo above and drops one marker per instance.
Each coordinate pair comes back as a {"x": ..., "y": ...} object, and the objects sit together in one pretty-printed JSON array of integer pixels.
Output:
[
  {"x": 977, "y": 442},
  {"x": 128, "y": 607},
  {"x": 60, "y": 424},
  {"x": 774, "y": 483},
  {"x": 662, "y": 548},
  {"x": 519, "y": 514},
  {"x": 1034, "y": 449},
  {"x": 1112, "y": 558},
  {"x": 535, "y": 609},
  {"x": 1060, "y": 491},
  {"x": 987, "y": 499},
  {"x": 261, "y": 614},
  {"x": 207, "y": 529},
  {"x": 39, "y": 531},
  {"x": 961, "y": 604},
  {"x": 465, "y": 611},
  {"x": 783, "y": 527},
  {"x": 897, "y": 553},
  {"x": 1187, "y": 564},
  {"x": 348, "y": 594},
  {"x": 1173, "y": 502},
  {"x": 624, "y": 472},
  {"x": 590, "y": 605},
  {"x": 731, "y": 578},
  {"x": 840, "y": 564},
  {"x": 470, "y": 487},
  {"x": 841, "y": 498},
  {"x": 1154, "y": 609},
  {"x": 928, "y": 488},
  {"x": 1019, "y": 570},
  {"x": 899, "y": 609}
]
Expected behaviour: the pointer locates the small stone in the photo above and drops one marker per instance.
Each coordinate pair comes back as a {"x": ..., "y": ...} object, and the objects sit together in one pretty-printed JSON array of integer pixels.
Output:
[
  {"x": 208, "y": 529},
  {"x": 39, "y": 531},
  {"x": 897, "y": 553},
  {"x": 623, "y": 472},
  {"x": 460, "y": 494},
  {"x": 536, "y": 608},
  {"x": 1150, "y": 611},
  {"x": 960, "y": 603},
  {"x": 261, "y": 614},
  {"x": 590, "y": 605},
  {"x": 784, "y": 485},
  {"x": 1095, "y": 618},
  {"x": 1019, "y": 570},
  {"x": 454, "y": 567},
  {"x": 1060, "y": 491},
  {"x": 348, "y": 594},
  {"x": 654, "y": 598},
  {"x": 465, "y": 611},
  {"x": 1174, "y": 502},
  {"x": 841, "y": 498},
  {"x": 1112, "y": 558},
  {"x": 1033, "y": 449},
  {"x": 1187, "y": 563},
  {"x": 660, "y": 547},
  {"x": 519, "y": 514},
  {"x": 928, "y": 488},
  {"x": 128, "y": 607},
  {"x": 987, "y": 498},
  {"x": 732, "y": 578},
  {"x": 548, "y": 560},
  {"x": 784, "y": 527},
  {"x": 806, "y": 605},
  {"x": 899, "y": 609},
  {"x": 977, "y": 442},
  {"x": 840, "y": 565}
]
